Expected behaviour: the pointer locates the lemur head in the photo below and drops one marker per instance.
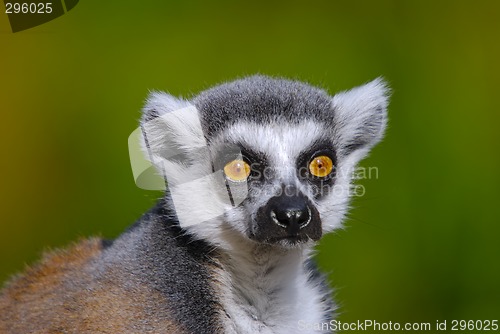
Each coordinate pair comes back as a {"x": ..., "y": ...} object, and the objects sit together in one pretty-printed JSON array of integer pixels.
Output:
[{"x": 267, "y": 160}]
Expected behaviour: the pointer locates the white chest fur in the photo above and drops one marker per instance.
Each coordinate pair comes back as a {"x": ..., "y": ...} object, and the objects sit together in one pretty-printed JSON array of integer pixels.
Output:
[{"x": 268, "y": 291}]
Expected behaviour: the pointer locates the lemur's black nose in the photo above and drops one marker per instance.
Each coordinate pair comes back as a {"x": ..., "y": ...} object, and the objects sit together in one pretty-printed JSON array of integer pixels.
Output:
[{"x": 290, "y": 212}]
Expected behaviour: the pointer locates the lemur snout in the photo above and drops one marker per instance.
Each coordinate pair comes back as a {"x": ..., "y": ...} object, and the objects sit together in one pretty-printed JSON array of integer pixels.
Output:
[
  {"x": 287, "y": 218},
  {"x": 290, "y": 212}
]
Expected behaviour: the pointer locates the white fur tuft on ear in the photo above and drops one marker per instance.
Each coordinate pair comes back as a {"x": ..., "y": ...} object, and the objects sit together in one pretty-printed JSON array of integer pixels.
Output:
[
  {"x": 160, "y": 103},
  {"x": 171, "y": 130},
  {"x": 361, "y": 116}
]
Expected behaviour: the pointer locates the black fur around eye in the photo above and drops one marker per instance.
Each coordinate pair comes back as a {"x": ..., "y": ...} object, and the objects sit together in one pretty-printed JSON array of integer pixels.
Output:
[
  {"x": 323, "y": 168},
  {"x": 321, "y": 184},
  {"x": 256, "y": 161},
  {"x": 258, "y": 164}
]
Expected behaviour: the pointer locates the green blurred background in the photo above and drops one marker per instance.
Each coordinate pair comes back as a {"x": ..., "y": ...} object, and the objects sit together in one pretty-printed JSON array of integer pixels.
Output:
[{"x": 423, "y": 243}]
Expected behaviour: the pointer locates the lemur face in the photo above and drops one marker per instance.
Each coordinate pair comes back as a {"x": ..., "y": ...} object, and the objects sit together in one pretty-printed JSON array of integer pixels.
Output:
[
  {"x": 280, "y": 173},
  {"x": 265, "y": 159}
]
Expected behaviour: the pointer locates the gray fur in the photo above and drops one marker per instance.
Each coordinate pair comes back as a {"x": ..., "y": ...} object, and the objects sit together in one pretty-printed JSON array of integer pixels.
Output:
[
  {"x": 156, "y": 253},
  {"x": 261, "y": 100}
]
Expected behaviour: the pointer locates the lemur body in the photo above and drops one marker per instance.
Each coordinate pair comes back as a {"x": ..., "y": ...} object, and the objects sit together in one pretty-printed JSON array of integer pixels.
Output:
[{"x": 201, "y": 261}]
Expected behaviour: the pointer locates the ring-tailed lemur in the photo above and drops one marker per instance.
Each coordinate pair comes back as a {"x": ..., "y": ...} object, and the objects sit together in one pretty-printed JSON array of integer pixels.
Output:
[{"x": 258, "y": 170}]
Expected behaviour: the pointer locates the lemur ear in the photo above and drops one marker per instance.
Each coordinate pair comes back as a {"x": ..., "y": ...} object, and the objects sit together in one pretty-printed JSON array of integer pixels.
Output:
[
  {"x": 160, "y": 103},
  {"x": 171, "y": 131},
  {"x": 361, "y": 117},
  {"x": 174, "y": 142}
]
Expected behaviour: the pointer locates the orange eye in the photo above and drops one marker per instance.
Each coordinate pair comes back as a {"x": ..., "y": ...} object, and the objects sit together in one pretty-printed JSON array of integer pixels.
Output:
[
  {"x": 321, "y": 166},
  {"x": 237, "y": 170}
]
